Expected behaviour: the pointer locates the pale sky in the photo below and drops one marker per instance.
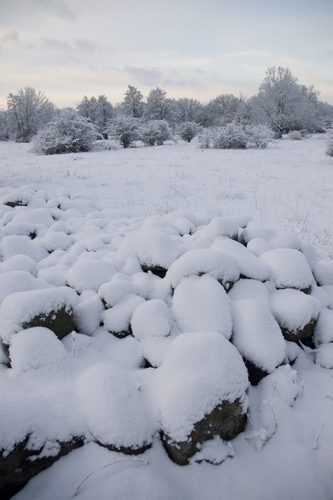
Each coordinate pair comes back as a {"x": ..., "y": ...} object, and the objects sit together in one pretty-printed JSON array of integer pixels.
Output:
[{"x": 190, "y": 48}]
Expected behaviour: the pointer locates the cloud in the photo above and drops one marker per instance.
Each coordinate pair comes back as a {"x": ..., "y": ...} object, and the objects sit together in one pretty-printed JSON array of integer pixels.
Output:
[
  {"x": 144, "y": 76},
  {"x": 9, "y": 39},
  {"x": 85, "y": 45},
  {"x": 54, "y": 44},
  {"x": 56, "y": 7}
]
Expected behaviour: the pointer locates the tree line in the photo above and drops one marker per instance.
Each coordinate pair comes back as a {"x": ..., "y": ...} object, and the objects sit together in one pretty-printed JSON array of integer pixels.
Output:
[{"x": 282, "y": 104}]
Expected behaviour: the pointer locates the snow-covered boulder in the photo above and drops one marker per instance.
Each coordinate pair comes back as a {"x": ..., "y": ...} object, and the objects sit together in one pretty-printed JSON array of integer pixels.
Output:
[
  {"x": 51, "y": 308},
  {"x": 89, "y": 274},
  {"x": 115, "y": 410},
  {"x": 200, "y": 304},
  {"x": 151, "y": 319},
  {"x": 289, "y": 268},
  {"x": 34, "y": 348},
  {"x": 117, "y": 320},
  {"x": 249, "y": 265},
  {"x": 295, "y": 312},
  {"x": 21, "y": 245},
  {"x": 201, "y": 388},
  {"x": 257, "y": 337},
  {"x": 155, "y": 250},
  {"x": 204, "y": 261},
  {"x": 18, "y": 281}
]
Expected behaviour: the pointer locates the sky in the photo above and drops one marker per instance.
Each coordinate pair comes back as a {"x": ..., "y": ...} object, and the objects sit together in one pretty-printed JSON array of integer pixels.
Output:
[{"x": 190, "y": 48}]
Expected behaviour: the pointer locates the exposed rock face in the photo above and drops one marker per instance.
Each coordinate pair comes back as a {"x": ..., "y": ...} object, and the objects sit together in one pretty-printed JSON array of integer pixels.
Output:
[
  {"x": 60, "y": 322},
  {"x": 226, "y": 420},
  {"x": 18, "y": 466},
  {"x": 255, "y": 373},
  {"x": 302, "y": 334},
  {"x": 157, "y": 270},
  {"x": 126, "y": 450}
]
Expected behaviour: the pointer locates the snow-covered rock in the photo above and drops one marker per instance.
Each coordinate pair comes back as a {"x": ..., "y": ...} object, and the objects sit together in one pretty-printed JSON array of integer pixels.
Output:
[
  {"x": 200, "y": 388},
  {"x": 151, "y": 319},
  {"x": 289, "y": 268},
  {"x": 257, "y": 336},
  {"x": 204, "y": 261},
  {"x": 50, "y": 307},
  {"x": 295, "y": 312},
  {"x": 200, "y": 304}
]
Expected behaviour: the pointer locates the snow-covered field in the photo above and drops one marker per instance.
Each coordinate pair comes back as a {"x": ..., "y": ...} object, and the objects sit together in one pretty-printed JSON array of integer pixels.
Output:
[
  {"x": 97, "y": 218},
  {"x": 287, "y": 186}
]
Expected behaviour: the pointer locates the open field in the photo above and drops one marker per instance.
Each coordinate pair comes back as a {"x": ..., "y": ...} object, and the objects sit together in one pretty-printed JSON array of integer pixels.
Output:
[{"x": 287, "y": 186}]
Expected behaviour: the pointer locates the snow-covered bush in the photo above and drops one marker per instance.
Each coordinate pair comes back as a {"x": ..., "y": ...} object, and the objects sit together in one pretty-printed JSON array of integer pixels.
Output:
[
  {"x": 295, "y": 135},
  {"x": 233, "y": 136},
  {"x": 154, "y": 132},
  {"x": 258, "y": 136},
  {"x": 188, "y": 130},
  {"x": 124, "y": 129},
  {"x": 67, "y": 133},
  {"x": 329, "y": 148}
]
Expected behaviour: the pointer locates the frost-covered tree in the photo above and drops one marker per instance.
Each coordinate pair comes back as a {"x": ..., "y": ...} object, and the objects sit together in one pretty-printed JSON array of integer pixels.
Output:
[
  {"x": 283, "y": 104},
  {"x": 133, "y": 104},
  {"x": 99, "y": 111},
  {"x": 154, "y": 132},
  {"x": 28, "y": 111},
  {"x": 4, "y": 130},
  {"x": 221, "y": 110},
  {"x": 157, "y": 105},
  {"x": 186, "y": 110},
  {"x": 67, "y": 133},
  {"x": 325, "y": 114},
  {"x": 104, "y": 113},
  {"x": 124, "y": 129},
  {"x": 188, "y": 130}
]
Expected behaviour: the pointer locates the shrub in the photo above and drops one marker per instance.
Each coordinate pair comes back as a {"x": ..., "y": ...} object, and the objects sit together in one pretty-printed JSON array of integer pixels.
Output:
[
  {"x": 233, "y": 136},
  {"x": 154, "y": 132},
  {"x": 295, "y": 135},
  {"x": 258, "y": 136},
  {"x": 124, "y": 129},
  {"x": 329, "y": 149},
  {"x": 67, "y": 133},
  {"x": 188, "y": 130}
]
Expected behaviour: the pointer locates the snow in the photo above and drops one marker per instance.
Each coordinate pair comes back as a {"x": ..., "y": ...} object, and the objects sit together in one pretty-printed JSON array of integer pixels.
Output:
[
  {"x": 18, "y": 281},
  {"x": 323, "y": 331},
  {"x": 324, "y": 356},
  {"x": 200, "y": 304},
  {"x": 199, "y": 371},
  {"x": 154, "y": 206}
]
